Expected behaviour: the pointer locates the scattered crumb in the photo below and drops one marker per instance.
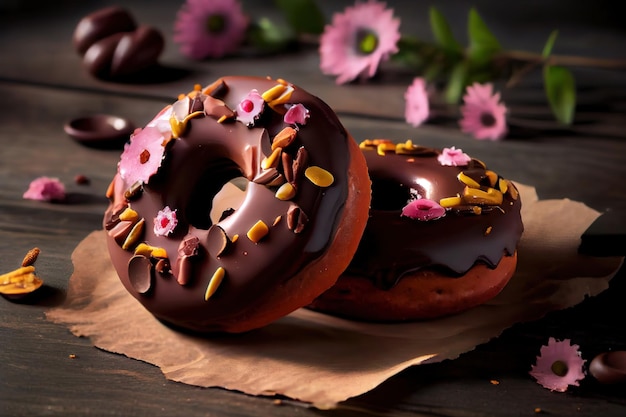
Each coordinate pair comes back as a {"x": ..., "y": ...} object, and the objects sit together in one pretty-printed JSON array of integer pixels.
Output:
[
  {"x": 278, "y": 401},
  {"x": 538, "y": 410},
  {"x": 81, "y": 179},
  {"x": 71, "y": 356},
  {"x": 494, "y": 382}
]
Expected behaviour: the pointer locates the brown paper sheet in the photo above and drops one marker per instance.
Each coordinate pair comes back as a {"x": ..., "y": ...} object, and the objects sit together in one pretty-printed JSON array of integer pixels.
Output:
[{"x": 324, "y": 360}]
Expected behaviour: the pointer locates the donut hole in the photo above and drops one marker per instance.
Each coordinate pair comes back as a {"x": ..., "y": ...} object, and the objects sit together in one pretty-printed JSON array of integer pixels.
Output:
[
  {"x": 229, "y": 197},
  {"x": 389, "y": 194},
  {"x": 208, "y": 196}
]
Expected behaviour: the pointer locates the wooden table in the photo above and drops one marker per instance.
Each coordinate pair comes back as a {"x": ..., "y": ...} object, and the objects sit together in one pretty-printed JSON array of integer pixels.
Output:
[{"x": 45, "y": 370}]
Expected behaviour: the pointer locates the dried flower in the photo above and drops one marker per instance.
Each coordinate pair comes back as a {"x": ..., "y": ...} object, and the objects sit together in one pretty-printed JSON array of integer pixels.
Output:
[
  {"x": 358, "y": 40},
  {"x": 250, "y": 108},
  {"x": 165, "y": 222},
  {"x": 210, "y": 28},
  {"x": 453, "y": 157},
  {"x": 296, "y": 114},
  {"x": 417, "y": 109},
  {"x": 558, "y": 365},
  {"x": 423, "y": 209},
  {"x": 483, "y": 115},
  {"x": 45, "y": 189},
  {"x": 142, "y": 157}
]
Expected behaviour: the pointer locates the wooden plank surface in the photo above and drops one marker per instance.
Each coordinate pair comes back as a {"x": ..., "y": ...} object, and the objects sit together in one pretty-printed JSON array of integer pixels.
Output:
[{"x": 42, "y": 85}]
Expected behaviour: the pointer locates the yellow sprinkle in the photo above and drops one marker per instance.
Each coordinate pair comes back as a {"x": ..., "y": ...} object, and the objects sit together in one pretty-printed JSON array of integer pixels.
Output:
[
  {"x": 214, "y": 283},
  {"x": 134, "y": 235},
  {"x": 476, "y": 196},
  {"x": 234, "y": 238},
  {"x": 144, "y": 249},
  {"x": 450, "y": 201},
  {"x": 159, "y": 253},
  {"x": 493, "y": 177},
  {"x": 283, "y": 98},
  {"x": 502, "y": 185},
  {"x": 488, "y": 230},
  {"x": 222, "y": 119},
  {"x": 277, "y": 220},
  {"x": 258, "y": 231},
  {"x": 467, "y": 180},
  {"x": 286, "y": 192},
  {"x": 319, "y": 176},
  {"x": 273, "y": 93},
  {"x": 272, "y": 160},
  {"x": 385, "y": 147},
  {"x": 129, "y": 214}
]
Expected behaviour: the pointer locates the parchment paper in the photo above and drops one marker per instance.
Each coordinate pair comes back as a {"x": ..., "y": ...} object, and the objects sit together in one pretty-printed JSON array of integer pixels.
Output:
[{"x": 324, "y": 360}]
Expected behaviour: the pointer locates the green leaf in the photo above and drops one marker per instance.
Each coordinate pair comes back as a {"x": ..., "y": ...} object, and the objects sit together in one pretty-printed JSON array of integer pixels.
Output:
[
  {"x": 561, "y": 92},
  {"x": 442, "y": 32},
  {"x": 547, "y": 49},
  {"x": 302, "y": 15},
  {"x": 483, "y": 44},
  {"x": 268, "y": 37},
  {"x": 456, "y": 83}
]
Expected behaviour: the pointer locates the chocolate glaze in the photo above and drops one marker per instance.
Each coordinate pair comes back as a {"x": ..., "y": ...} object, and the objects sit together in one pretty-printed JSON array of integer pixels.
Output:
[
  {"x": 394, "y": 245},
  {"x": 195, "y": 166}
]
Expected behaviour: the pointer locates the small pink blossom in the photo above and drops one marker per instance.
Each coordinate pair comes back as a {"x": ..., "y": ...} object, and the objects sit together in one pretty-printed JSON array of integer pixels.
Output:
[
  {"x": 416, "y": 110},
  {"x": 453, "y": 157},
  {"x": 210, "y": 28},
  {"x": 250, "y": 108},
  {"x": 423, "y": 209},
  {"x": 142, "y": 157},
  {"x": 165, "y": 222},
  {"x": 484, "y": 116},
  {"x": 558, "y": 365},
  {"x": 296, "y": 114},
  {"x": 45, "y": 189},
  {"x": 358, "y": 40}
]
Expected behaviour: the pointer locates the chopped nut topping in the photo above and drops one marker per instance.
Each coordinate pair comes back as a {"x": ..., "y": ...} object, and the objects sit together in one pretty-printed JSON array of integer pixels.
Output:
[
  {"x": 467, "y": 180},
  {"x": 286, "y": 192},
  {"x": 284, "y": 138},
  {"x": 273, "y": 93},
  {"x": 491, "y": 196},
  {"x": 272, "y": 160},
  {"x": 30, "y": 257},
  {"x": 450, "y": 201},
  {"x": 134, "y": 236}
]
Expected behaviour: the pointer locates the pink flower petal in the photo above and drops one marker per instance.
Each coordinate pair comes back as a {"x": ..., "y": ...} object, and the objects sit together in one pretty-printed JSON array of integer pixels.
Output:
[
  {"x": 558, "y": 366},
  {"x": 296, "y": 114},
  {"x": 423, "y": 209},
  {"x": 45, "y": 189},
  {"x": 453, "y": 157},
  {"x": 483, "y": 116},
  {"x": 339, "y": 49},
  {"x": 417, "y": 108},
  {"x": 165, "y": 222},
  {"x": 250, "y": 108},
  {"x": 193, "y": 32}
]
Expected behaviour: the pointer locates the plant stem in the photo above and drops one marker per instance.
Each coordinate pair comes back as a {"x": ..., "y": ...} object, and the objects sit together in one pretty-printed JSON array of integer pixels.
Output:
[{"x": 564, "y": 60}]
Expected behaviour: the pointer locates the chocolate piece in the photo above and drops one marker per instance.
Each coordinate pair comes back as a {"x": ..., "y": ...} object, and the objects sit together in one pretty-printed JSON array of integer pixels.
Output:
[
  {"x": 140, "y": 271},
  {"x": 136, "y": 51},
  {"x": 217, "y": 241},
  {"x": 100, "y": 130},
  {"x": 101, "y": 24},
  {"x": 609, "y": 367}
]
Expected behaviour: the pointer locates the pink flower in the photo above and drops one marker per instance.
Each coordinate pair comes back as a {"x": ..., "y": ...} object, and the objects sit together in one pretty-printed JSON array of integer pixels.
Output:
[
  {"x": 165, "y": 222},
  {"x": 453, "y": 157},
  {"x": 142, "y": 157},
  {"x": 296, "y": 114},
  {"x": 483, "y": 115},
  {"x": 250, "y": 108},
  {"x": 210, "y": 28},
  {"x": 423, "y": 209},
  {"x": 358, "y": 40},
  {"x": 558, "y": 365},
  {"x": 45, "y": 189},
  {"x": 416, "y": 109}
]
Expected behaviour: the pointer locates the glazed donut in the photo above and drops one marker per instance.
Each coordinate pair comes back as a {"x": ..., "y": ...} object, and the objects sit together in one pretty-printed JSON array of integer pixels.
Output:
[
  {"x": 303, "y": 213},
  {"x": 441, "y": 237}
]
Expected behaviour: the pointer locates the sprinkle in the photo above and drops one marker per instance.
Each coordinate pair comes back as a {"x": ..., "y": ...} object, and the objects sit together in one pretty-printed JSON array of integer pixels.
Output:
[
  {"x": 297, "y": 114},
  {"x": 258, "y": 231},
  {"x": 165, "y": 222},
  {"x": 214, "y": 282},
  {"x": 319, "y": 176}
]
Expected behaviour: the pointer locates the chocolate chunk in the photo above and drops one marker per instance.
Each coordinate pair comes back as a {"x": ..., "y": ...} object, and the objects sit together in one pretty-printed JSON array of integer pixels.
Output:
[
  {"x": 101, "y": 24},
  {"x": 189, "y": 246},
  {"x": 217, "y": 241},
  {"x": 140, "y": 273},
  {"x": 136, "y": 51}
]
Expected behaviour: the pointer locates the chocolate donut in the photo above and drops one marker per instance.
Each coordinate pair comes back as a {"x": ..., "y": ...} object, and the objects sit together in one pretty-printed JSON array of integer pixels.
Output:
[
  {"x": 304, "y": 210},
  {"x": 441, "y": 237}
]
